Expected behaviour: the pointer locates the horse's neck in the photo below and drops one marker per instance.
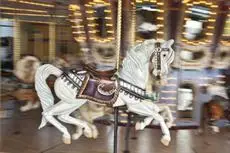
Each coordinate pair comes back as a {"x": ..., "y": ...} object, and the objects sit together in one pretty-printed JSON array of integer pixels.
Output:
[
  {"x": 135, "y": 68},
  {"x": 138, "y": 77}
]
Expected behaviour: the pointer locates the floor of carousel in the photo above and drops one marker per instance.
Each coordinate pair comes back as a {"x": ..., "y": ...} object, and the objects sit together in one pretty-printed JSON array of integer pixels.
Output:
[{"x": 20, "y": 134}]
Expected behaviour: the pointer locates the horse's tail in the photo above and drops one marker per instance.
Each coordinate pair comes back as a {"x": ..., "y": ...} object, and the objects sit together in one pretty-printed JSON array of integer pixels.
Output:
[{"x": 43, "y": 91}]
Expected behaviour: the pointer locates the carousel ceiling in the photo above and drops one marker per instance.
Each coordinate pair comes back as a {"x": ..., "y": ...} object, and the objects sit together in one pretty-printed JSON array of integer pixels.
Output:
[
  {"x": 39, "y": 10},
  {"x": 198, "y": 24}
]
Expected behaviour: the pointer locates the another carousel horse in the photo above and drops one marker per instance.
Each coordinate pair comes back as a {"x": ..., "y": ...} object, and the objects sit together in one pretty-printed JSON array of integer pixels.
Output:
[
  {"x": 74, "y": 89},
  {"x": 25, "y": 71},
  {"x": 218, "y": 108}
]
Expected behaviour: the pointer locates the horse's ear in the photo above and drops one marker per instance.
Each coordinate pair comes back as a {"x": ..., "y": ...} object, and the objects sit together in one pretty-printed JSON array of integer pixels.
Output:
[
  {"x": 168, "y": 43},
  {"x": 171, "y": 42}
]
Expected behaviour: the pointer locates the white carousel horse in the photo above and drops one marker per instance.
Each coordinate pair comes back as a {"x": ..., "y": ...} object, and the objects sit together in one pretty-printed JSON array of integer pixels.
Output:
[
  {"x": 25, "y": 71},
  {"x": 74, "y": 89}
]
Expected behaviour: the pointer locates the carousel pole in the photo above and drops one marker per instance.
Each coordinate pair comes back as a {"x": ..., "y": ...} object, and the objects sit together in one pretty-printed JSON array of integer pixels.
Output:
[
  {"x": 115, "y": 129},
  {"x": 132, "y": 43},
  {"x": 118, "y": 46},
  {"x": 118, "y": 35},
  {"x": 52, "y": 41},
  {"x": 17, "y": 40}
]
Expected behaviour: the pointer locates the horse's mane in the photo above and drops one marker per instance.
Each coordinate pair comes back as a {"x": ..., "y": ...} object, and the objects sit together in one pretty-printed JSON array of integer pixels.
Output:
[
  {"x": 139, "y": 54},
  {"x": 136, "y": 59}
]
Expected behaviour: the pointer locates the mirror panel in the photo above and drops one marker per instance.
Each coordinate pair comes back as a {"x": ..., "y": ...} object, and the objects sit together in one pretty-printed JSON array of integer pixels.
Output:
[
  {"x": 198, "y": 22},
  {"x": 77, "y": 25},
  {"x": 225, "y": 38},
  {"x": 99, "y": 20},
  {"x": 148, "y": 18}
]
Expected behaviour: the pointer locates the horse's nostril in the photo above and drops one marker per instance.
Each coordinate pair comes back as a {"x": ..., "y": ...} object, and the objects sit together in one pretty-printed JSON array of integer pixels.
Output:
[{"x": 158, "y": 77}]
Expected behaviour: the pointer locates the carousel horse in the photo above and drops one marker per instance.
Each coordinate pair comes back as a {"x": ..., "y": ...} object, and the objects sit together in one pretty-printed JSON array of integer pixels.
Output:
[
  {"x": 218, "y": 108},
  {"x": 25, "y": 72},
  {"x": 76, "y": 88}
]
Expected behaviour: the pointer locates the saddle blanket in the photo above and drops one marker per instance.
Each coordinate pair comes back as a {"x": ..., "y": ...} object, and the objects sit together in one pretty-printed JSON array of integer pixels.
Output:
[{"x": 100, "y": 93}]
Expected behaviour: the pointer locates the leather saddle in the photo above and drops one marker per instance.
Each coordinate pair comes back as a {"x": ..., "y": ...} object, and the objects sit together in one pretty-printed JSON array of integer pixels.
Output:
[{"x": 100, "y": 74}]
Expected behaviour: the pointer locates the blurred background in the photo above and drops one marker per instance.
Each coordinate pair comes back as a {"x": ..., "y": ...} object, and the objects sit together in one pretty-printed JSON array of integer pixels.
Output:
[{"x": 92, "y": 35}]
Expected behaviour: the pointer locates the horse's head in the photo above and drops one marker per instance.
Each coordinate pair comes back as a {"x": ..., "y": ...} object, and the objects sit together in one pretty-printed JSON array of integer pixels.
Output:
[
  {"x": 160, "y": 60},
  {"x": 147, "y": 58}
]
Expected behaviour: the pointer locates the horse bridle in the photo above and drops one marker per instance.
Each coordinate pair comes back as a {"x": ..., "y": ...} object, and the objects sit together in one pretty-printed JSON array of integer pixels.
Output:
[{"x": 157, "y": 51}]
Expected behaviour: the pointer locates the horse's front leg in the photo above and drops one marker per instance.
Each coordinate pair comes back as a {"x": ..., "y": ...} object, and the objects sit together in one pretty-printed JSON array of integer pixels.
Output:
[
  {"x": 166, "y": 138},
  {"x": 153, "y": 108},
  {"x": 167, "y": 114},
  {"x": 151, "y": 111},
  {"x": 143, "y": 124}
]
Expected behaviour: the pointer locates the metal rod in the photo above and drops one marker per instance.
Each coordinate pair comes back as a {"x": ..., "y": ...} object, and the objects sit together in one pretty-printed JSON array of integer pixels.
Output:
[
  {"x": 115, "y": 129},
  {"x": 127, "y": 134}
]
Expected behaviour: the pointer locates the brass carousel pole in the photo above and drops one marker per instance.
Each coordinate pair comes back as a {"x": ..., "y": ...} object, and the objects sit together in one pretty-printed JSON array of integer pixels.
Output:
[
  {"x": 52, "y": 41},
  {"x": 17, "y": 40},
  {"x": 118, "y": 47},
  {"x": 118, "y": 35}
]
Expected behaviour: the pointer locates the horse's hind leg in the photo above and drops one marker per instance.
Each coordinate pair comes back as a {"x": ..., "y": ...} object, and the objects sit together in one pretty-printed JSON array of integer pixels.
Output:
[
  {"x": 49, "y": 117},
  {"x": 58, "y": 109},
  {"x": 78, "y": 133},
  {"x": 82, "y": 124},
  {"x": 65, "y": 117},
  {"x": 94, "y": 129},
  {"x": 66, "y": 136}
]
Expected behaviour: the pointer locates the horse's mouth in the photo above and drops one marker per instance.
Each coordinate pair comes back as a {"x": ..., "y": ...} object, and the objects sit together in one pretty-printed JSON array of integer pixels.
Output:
[{"x": 158, "y": 77}]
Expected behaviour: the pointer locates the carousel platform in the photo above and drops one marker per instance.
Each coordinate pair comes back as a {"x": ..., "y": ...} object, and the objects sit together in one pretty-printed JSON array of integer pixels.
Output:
[
  {"x": 20, "y": 134},
  {"x": 180, "y": 124}
]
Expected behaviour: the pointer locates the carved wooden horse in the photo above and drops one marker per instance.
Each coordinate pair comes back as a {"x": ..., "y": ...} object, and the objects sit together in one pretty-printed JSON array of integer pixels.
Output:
[
  {"x": 25, "y": 72},
  {"x": 74, "y": 89}
]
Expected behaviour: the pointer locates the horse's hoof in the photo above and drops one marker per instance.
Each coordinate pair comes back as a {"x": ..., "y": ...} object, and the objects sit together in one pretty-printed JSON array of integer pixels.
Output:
[
  {"x": 169, "y": 124},
  {"x": 26, "y": 107},
  {"x": 138, "y": 126},
  {"x": 88, "y": 133},
  {"x": 142, "y": 126},
  {"x": 165, "y": 140},
  {"x": 66, "y": 140},
  {"x": 76, "y": 136},
  {"x": 200, "y": 131},
  {"x": 215, "y": 129},
  {"x": 95, "y": 132}
]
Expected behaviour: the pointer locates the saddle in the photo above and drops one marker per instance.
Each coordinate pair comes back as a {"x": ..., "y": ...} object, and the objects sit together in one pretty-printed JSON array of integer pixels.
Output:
[
  {"x": 102, "y": 74},
  {"x": 104, "y": 93}
]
